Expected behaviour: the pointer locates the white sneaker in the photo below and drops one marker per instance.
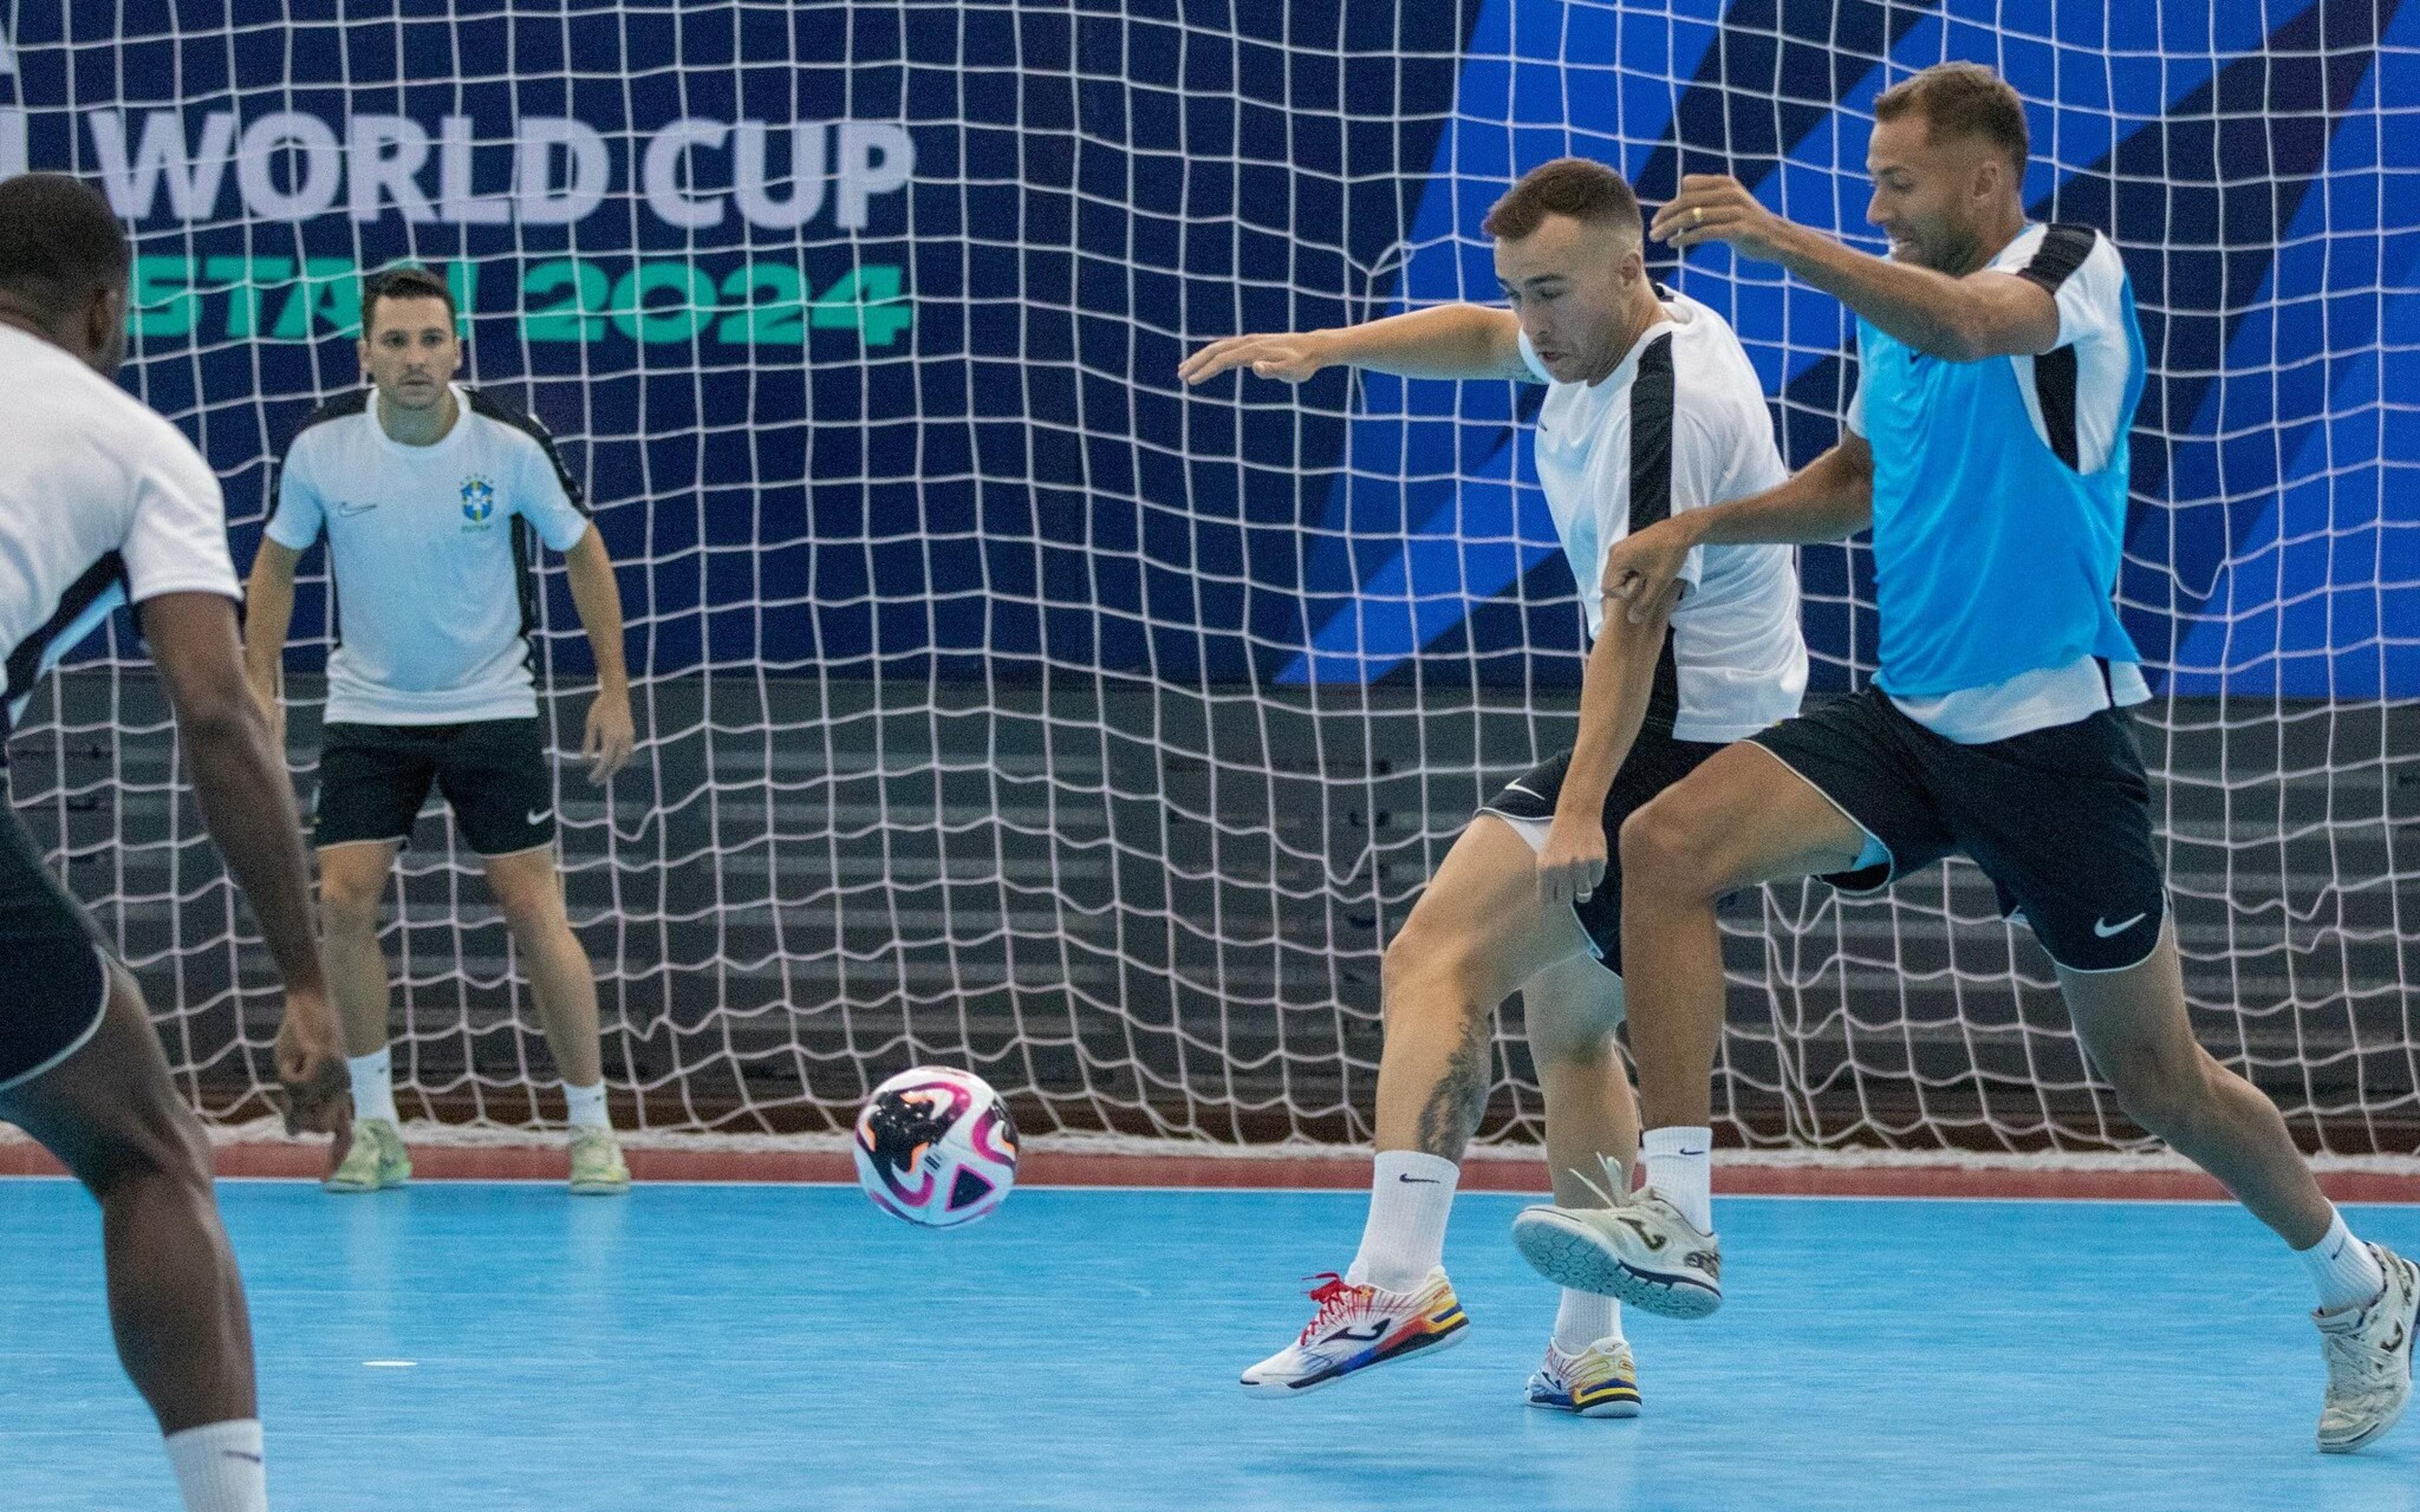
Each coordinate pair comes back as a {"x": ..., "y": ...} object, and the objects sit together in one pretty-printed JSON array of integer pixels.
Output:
[
  {"x": 1358, "y": 1326},
  {"x": 2369, "y": 1358},
  {"x": 1640, "y": 1249},
  {"x": 1601, "y": 1381}
]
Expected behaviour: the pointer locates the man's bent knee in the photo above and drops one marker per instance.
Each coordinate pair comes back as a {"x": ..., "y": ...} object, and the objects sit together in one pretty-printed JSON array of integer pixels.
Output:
[
  {"x": 351, "y": 910},
  {"x": 1663, "y": 855},
  {"x": 1425, "y": 965}
]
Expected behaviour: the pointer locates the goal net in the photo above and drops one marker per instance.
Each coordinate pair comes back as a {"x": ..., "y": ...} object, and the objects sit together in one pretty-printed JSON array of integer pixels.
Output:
[{"x": 1005, "y": 706}]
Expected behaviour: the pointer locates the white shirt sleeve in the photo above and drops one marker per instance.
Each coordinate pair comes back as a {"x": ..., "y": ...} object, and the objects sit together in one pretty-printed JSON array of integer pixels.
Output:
[
  {"x": 2087, "y": 276},
  {"x": 1854, "y": 421},
  {"x": 176, "y": 542},
  {"x": 545, "y": 501},
  {"x": 296, "y": 514},
  {"x": 2092, "y": 299},
  {"x": 1529, "y": 361}
]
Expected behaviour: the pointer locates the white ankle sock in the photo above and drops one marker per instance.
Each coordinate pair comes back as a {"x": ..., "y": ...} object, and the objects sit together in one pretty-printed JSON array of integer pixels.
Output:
[
  {"x": 1410, "y": 1197},
  {"x": 587, "y": 1107},
  {"x": 1679, "y": 1165},
  {"x": 373, "y": 1083},
  {"x": 1584, "y": 1319},
  {"x": 219, "y": 1466},
  {"x": 2342, "y": 1270}
]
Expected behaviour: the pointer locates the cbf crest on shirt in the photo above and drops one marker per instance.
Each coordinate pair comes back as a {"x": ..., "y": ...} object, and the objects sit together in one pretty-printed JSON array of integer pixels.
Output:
[
  {"x": 431, "y": 548},
  {"x": 478, "y": 502}
]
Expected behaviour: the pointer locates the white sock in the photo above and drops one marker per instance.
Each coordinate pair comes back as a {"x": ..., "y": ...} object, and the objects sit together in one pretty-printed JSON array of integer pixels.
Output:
[
  {"x": 2342, "y": 1270},
  {"x": 1584, "y": 1319},
  {"x": 373, "y": 1085},
  {"x": 1679, "y": 1165},
  {"x": 587, "y": 1107},
  {"x": 219, "y": 1466},
  {"x": 1410, "y": 1196}
]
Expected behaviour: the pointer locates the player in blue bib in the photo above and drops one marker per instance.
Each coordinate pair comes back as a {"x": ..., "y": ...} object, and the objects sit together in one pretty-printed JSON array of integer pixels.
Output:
[{"x": 1987, "y": 449}]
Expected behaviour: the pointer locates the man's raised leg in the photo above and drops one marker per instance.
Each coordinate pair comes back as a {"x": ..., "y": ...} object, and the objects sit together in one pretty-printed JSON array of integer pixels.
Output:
[
  {"x": 111, "y": 1115},
  {"x": 1740, "y": 819},
  {"x": 1477, "y": 934}
]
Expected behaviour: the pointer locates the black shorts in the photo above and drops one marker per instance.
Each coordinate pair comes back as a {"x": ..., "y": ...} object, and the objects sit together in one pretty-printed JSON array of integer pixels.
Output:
[
  {"x": 2059, "y": 819},
  {"x": 373, "y": 778},
  {"x": 1655, "y": 761},
  {"x": 53, "y": 972}
]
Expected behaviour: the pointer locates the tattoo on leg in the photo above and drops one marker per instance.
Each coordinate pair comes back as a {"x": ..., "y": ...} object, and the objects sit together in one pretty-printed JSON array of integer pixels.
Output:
[{"x": 1453, "y": 1112}]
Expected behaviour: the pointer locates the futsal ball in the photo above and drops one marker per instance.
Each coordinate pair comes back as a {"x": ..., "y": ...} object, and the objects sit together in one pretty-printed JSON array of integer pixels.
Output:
[{"x": 936, "y": 1147}]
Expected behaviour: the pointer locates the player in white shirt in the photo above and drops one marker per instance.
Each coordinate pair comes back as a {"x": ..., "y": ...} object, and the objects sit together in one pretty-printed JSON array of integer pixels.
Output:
[
  {"x": 103, "y": 502},
  {"x": 428, "y": 494},
  {"x": 1652, "y": 410}
]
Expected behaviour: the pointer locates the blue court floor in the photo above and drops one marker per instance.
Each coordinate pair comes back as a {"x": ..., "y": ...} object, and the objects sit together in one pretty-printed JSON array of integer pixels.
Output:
[{"x": 777, "y": 1348}]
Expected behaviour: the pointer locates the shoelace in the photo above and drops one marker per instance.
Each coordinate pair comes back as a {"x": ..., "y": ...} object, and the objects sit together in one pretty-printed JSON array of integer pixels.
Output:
[
  {"x": 2355, "y": 1364},
  {"x": 1336, "y": 1296},
  {"x": 1615, "y": 1180}
]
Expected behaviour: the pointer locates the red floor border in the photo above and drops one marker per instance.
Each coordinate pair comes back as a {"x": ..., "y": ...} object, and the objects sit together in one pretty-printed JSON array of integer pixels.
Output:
[{"x": 1043, "y": 1167}]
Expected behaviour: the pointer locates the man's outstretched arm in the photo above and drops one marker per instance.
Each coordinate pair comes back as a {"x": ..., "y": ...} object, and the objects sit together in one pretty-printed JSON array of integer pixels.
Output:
[
  {"x": 1448, "y": 341},
  {"x": 1984, "y": 313}
]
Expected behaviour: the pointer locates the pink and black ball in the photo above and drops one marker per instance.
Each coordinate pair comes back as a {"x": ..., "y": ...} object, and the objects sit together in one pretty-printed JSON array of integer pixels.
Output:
[{"x": 937, "y": 1146}]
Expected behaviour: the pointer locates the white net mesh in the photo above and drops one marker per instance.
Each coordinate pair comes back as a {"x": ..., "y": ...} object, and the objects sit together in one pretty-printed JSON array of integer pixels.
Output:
[{"x": 1006, "y": 706}]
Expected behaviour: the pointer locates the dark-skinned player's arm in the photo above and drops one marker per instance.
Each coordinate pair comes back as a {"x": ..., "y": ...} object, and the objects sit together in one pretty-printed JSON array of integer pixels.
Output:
[
  {"x": 1985, "y": 314},
  {"x": 248, "y": 804},
  {"x": 1830, "y": 498}
]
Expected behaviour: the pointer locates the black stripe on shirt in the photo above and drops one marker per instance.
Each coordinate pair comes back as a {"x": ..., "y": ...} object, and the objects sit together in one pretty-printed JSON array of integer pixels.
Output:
[
  {"x": 524, "y": 535},
  {"x": 25, "y": 662},
  {"x": 2062, "y": 252},
  {"x": 485, "y": 404},
  {"x": 1651, "y": 497},
  {"x": 2055, "y": 390}
]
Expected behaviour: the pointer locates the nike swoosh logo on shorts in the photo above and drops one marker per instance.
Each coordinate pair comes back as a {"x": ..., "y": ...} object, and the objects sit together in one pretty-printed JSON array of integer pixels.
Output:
[
  {"x": 354, "y": 509},
  {"x": 2110, "y": 931},
  {"x": 537, "y": 816}
]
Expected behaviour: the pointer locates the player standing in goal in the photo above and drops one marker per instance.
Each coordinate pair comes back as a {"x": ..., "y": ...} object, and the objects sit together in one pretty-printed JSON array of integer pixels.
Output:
[
  {"x": 1651, "y": 412},
  {"x": 102, "y": 503},
  {"x": 1987, "y": 447},
  {"x": 428, "y": 492}
]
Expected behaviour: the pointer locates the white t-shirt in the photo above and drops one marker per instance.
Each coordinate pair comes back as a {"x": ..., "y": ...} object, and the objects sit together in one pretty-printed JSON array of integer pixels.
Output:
[
  {"x": 1741, "y": 662},
  {"x": 102, "y": 503},
  {"x": 2092, "y": 320},
  {"x": 434, "y": 599}
]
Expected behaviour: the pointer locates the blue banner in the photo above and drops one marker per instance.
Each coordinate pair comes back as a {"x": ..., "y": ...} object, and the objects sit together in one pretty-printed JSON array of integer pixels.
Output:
[{"x": 863, "y": 319}]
